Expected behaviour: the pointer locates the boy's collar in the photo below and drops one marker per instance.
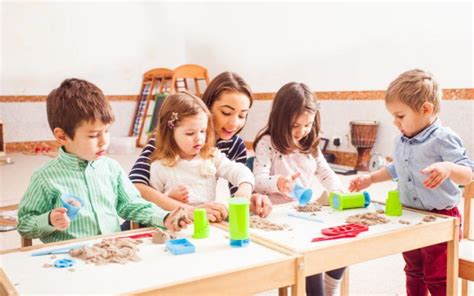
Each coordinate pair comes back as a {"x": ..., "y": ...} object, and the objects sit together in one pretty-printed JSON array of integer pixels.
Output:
[
  {"x": 424, "y": 134},
  {"x": 73, "y": 160}
]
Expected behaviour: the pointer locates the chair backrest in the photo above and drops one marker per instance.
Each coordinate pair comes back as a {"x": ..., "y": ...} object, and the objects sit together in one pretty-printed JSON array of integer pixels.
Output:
[
  {"x": 161, "y": 75},
  {"x": 189, "y": 71},
  {"x": 468, "y": 195}
]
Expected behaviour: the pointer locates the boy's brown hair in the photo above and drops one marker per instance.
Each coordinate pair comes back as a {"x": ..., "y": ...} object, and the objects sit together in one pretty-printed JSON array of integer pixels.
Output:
[
  {"x": 414, "y": 88},
  {"x": 175, "y": 108},
  {"x": 290, "y": 101},
  {"x": 75, "y": 101}
]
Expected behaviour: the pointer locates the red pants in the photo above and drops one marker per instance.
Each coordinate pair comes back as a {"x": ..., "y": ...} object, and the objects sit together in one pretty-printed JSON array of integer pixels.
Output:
[{"x": 426, "y": 268}]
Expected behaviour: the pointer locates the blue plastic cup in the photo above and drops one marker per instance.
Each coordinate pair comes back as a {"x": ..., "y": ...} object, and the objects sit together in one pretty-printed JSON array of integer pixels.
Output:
[
  {"x": 301, "y": 194},
  {"x": 68, "y": 200}
]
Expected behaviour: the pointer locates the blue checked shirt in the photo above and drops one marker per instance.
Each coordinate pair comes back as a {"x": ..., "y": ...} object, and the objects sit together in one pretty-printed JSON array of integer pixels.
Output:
[{"x": 434, "y": 144}]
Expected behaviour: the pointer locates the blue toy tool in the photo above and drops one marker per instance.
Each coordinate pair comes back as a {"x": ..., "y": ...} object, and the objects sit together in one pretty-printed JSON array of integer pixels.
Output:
[
  {"x": 58, "y": 251},
  {"x": 68, "y": 201},
  {"x": 301, "y": 194},
  {"x": 180, "y": 246},
  {"x": 63, "y": 263},
  {"x": 300, "y": 216}
]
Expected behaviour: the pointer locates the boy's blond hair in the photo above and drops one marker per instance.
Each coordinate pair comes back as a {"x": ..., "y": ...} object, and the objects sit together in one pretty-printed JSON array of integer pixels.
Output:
[{"x": 414, "y": 88}]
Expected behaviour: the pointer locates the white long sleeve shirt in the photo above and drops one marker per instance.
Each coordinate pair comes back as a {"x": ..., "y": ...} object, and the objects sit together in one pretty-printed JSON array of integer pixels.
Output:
[
  {"x": 200, "y": 175},
  {"x": 270, "y": 164}
]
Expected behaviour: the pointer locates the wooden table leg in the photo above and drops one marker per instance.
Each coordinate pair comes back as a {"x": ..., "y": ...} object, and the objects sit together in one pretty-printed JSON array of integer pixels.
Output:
[{"x": 453, "y": 262}]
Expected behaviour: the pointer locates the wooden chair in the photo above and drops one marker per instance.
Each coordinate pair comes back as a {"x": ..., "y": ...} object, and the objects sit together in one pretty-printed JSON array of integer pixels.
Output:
[
  {"x": 189, "y": 71},
  {"x": 466, "y": 246},
  {"x": 154, "y": 81}
]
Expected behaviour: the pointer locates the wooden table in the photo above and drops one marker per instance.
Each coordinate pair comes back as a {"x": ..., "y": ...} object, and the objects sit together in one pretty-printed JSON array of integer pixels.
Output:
[
  {"x": 380, "y": 241},
  {"x": 215, "y": 268}
]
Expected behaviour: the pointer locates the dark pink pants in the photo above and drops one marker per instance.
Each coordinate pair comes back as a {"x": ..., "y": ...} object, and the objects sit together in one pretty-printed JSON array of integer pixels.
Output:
[{"x": 426, "y": 268}]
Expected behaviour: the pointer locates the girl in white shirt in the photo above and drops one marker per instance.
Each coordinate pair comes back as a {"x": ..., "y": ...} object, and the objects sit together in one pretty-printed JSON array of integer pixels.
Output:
[
  {"x": 287, "y": 152},
  {"x": 187, "y": 153}
]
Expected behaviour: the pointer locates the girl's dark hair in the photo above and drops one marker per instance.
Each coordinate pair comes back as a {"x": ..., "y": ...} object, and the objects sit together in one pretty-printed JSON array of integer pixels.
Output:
[{"x": 290, "y": 101}]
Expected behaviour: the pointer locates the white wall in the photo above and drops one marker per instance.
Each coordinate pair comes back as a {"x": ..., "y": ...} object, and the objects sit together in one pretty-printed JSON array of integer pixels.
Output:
[
  {"x": 333, "y": 46},
  {"x": 109, "y": 43},
  {"x": 329, "y": 46}
]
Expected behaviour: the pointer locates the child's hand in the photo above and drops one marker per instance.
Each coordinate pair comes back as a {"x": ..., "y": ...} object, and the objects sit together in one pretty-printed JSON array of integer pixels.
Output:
[
  {"x": 437, "y": 174},
  {"x": 177, "y": 219},
  {"x": 180, "y": 193},
  {"x": 245, "y": 190},
  {"x": 260, "y": 205},
  {"x": 285, "y": 184},
  {"x": 360, "y": 183},
  {"x": 216, "y": 212},
  {"x": 59, "y": 219}
]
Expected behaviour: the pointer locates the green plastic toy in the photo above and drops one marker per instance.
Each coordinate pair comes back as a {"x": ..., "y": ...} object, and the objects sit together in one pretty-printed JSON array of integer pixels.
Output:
[
  {"x": 393, "y": 207},
  {"x": 239, "y": 222},
  {"x": 201, "y": 224},
  {"x": 343, "y": 201}
]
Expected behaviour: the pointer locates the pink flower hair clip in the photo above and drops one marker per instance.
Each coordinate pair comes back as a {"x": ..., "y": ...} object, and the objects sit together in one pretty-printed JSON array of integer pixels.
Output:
[{"x": 172, "y": 120}]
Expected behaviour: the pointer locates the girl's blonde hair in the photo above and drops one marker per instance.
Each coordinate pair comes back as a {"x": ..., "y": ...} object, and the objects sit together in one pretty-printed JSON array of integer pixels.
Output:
[
  {"x": 174, "y": 110},
  {"x": 292, "y": 100}
]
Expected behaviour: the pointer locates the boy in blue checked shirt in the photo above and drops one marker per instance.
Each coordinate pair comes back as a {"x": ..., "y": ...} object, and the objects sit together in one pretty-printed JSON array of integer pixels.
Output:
[
  {"x": 429, "y": 161},
  {"x": 80, "y": 116}
]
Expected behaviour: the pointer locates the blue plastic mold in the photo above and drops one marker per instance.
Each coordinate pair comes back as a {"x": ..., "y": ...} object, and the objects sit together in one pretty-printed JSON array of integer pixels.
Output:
[
  {"x": 71, "y": 210},
  {"x": 239, "y": 242},
  {"x": 64, "y": 263},
  {"x": 180, "y": 246}
]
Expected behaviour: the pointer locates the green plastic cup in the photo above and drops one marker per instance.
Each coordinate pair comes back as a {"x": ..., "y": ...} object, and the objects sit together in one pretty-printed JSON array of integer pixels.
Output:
[
  {"x": 393, "y": 207},
  {"x": 342, "y": 201},
  {"x": 201, "y": 224},
  {"x": 239, "y": 222}
]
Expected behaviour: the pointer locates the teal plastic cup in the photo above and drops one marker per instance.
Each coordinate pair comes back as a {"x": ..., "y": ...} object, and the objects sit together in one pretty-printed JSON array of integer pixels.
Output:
[
  {"x": 301, "y": 194},
  {"x": 72, "y": 203}
]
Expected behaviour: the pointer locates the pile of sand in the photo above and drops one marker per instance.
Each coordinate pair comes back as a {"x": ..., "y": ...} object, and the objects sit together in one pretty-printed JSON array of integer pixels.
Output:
[{"x": 119, "y": 250}]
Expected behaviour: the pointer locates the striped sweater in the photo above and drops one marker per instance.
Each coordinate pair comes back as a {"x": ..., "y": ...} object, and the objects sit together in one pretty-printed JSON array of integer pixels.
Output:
[
  {"x": 105, "y": 190},
  {"x": 234, "y": 149}
]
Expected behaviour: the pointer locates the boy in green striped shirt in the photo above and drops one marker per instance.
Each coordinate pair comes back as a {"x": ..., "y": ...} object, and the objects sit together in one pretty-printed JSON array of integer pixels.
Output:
[{"x": 80, "y": 116}]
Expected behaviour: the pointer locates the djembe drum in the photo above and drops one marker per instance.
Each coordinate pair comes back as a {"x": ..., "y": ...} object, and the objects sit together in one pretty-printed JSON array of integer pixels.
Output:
[{"x": 363, "y": 134}]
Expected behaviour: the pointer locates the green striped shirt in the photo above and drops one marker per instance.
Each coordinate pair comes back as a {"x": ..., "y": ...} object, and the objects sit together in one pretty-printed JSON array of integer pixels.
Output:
[{"x": 106, "y": 191}]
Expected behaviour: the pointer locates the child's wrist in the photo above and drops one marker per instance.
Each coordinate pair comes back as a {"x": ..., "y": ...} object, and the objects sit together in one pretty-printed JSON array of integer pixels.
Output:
[{"x": 49, "y": 219}]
